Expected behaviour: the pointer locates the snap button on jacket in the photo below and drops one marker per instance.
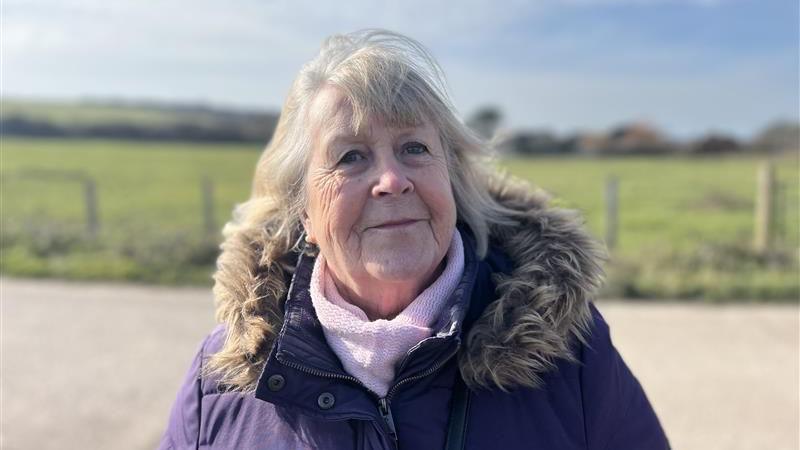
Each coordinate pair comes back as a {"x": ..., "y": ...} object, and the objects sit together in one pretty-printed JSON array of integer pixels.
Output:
[{"x": 520, "y": 329}]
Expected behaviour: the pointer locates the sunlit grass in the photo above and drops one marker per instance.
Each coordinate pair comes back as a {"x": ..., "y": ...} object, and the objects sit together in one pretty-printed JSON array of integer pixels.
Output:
[{"x": 685, "y": 225}]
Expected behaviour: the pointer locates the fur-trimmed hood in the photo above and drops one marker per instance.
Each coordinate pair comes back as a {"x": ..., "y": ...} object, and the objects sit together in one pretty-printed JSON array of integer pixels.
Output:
[{"x": 540, "y": 307}]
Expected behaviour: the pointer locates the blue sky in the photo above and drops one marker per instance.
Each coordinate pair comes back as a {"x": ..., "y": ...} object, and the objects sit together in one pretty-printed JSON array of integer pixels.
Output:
[{"x": 689, "y": 66}]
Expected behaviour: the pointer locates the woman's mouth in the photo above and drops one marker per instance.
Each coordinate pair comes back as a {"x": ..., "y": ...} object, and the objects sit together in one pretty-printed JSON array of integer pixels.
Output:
[{"x": 396, "y": 224}]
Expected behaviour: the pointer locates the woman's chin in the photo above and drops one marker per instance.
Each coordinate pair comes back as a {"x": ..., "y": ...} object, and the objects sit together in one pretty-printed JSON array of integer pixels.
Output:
[
  {"x": 403, "y": 258},
  {"x": 393, "y": 274},
  {"x": 401, "y": 268}
]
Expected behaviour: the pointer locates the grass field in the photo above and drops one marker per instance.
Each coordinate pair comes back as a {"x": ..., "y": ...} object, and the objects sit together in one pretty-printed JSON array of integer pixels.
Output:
[{"x": 685, "y": 225}]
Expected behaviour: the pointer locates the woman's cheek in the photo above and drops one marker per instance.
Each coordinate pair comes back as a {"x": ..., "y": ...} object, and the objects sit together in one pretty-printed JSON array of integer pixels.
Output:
[
  {"x": 323, "y": 188},
  {"x": 436, "y": 184},
  {"x": 334, "y": 206},
  {"x": 440, "y": 201}
]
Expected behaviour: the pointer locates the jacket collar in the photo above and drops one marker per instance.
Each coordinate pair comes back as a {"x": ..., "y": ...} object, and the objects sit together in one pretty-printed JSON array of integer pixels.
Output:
[
  {"x": 539, "y": 307},
  {"x": 301, "y": 342}
]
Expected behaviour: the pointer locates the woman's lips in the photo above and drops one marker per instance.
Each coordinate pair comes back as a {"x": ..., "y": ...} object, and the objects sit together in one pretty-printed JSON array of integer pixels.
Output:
[{"x": 396, "y": 224}]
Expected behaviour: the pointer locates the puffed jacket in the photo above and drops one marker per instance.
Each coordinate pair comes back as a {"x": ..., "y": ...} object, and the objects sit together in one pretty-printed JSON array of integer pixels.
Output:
[{"x": 520, "y": 331}]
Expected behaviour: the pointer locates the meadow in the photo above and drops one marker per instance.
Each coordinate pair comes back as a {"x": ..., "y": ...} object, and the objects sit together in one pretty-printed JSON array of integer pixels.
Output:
[{"x": 685, "y": 224}]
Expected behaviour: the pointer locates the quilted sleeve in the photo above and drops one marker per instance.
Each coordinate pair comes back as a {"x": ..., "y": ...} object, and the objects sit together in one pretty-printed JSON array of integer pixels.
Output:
[
  {"x": 183, "y": 428},
  {"x": 617, "y": 413}
]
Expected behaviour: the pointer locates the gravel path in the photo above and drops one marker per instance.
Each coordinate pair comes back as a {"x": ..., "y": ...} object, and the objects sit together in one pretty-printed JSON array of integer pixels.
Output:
[{"x": 97, "y": 365}]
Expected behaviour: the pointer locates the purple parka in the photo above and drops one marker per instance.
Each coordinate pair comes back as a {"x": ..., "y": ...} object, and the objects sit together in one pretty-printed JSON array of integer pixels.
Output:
[{"x": 520, "y": 330}]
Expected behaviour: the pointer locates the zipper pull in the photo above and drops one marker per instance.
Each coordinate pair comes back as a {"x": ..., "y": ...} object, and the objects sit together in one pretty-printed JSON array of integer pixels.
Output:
[{"x": 386, "y": 413}]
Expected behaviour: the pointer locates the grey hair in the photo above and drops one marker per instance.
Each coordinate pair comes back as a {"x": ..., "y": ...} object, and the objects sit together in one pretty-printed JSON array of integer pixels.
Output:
[{"x": 380, "y": 74}]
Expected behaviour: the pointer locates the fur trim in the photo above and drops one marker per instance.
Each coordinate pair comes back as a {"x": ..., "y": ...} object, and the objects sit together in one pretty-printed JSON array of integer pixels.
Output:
[
  {"x": 540, "y": 307},
  {"x": 543, "y": 303}
]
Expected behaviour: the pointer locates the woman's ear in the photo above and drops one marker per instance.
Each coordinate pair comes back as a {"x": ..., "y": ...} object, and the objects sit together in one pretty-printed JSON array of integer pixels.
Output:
[{"x": 308, "y": 230}]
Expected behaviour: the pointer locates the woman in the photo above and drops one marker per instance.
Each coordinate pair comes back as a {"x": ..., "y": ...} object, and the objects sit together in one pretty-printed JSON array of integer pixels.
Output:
[{"x": 383, "y": 289}]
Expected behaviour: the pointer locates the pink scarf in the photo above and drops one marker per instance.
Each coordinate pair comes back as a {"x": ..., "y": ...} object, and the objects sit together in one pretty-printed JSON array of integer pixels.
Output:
[{"x": 370, "y": 350}]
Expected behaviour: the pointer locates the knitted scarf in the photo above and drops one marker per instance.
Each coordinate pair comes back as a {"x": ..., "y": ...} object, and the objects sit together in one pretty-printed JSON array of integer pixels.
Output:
[{"x": 371, "y": 350}]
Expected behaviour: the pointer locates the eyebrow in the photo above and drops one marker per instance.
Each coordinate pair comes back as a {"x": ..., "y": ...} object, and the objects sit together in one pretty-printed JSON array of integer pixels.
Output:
[{"x": 338, "y": 133}]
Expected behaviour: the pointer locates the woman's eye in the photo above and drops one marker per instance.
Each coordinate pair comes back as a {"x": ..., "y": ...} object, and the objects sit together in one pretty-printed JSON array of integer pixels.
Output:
[
  {"x": 415, "y": 148},
  {"x": 351, "y": 157}
]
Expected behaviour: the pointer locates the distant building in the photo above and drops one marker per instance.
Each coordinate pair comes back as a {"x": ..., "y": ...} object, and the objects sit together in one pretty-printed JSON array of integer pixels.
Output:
[
  {"x": 639, "y": 138},
  {"x": 531, "y": 143},
  {"x": 636, "y": 138},
  {"x": 591, "y": 144}
]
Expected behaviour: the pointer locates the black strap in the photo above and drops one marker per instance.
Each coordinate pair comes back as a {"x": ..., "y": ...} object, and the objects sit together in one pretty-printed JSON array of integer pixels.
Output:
[{"x": 459, "y": 406}]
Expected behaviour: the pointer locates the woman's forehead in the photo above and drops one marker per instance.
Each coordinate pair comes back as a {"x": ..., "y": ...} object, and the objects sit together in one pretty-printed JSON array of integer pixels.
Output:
[
  {"x": 332, "y": 117},
  {"x": 329, "y": 108}
]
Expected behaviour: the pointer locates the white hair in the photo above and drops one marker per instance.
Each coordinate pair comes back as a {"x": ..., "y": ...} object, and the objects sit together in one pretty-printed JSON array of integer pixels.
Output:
[{"x": 380, "y": 74}]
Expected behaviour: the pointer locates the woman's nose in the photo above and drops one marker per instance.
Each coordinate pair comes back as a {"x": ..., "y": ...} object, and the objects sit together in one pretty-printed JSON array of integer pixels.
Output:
[{"x": 392, "y": 180}]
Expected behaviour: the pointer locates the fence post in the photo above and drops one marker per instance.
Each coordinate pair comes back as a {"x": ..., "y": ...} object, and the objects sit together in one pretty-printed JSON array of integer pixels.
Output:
[
  {"x": 780, "y": 213},
  {"x": 764, "y": 212},
  {"x": 207, "y": 189},
  {"x": 90, "y": 195},
  {"x": 612, "y": 200}
]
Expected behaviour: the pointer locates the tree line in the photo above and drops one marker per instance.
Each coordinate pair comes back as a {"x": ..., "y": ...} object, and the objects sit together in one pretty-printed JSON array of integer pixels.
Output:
[{"x": 204, "y": 124}]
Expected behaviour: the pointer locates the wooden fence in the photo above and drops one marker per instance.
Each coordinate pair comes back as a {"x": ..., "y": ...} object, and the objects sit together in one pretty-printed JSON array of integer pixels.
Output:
[{"x": 770, "y": 218}]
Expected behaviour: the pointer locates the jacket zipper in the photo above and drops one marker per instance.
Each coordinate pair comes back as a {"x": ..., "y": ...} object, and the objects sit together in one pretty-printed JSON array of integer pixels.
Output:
[
  {"x": 386, "y": 413},
  {"x": 322, "y": 374},
  {"x": 384, "y": 403},
  {"x": 384, "y": 406},
  {"x": 424, "y": 374}
]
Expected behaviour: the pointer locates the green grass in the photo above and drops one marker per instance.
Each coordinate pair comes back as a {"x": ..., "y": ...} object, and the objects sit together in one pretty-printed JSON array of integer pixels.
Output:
[
  {"x": 139, "y": 184},
  {"x": 149, "y": 202},
  {"x": 671, "y": 202},
  {"x": 685, "y": 225}
]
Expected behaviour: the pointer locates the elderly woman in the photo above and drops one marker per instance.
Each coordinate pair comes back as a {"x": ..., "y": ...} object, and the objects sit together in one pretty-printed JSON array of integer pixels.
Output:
[{"x": 382, "y": 288}]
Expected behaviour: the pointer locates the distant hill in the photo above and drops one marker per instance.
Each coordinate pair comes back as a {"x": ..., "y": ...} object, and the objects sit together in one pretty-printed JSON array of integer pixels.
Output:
[{"x": 134, "y": 120}]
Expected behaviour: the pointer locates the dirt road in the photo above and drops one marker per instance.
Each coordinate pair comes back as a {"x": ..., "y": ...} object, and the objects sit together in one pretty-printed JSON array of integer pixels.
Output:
[{"x": 97, "y": 365}]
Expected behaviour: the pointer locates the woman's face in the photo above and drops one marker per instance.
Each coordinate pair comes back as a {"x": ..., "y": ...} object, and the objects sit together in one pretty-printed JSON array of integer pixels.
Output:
[{"x": 380, "y": 206}]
